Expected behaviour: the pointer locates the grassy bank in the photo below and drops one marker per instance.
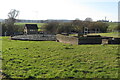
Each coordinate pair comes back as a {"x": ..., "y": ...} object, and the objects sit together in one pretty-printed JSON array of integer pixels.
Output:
[{"x": 49, "y": 59}]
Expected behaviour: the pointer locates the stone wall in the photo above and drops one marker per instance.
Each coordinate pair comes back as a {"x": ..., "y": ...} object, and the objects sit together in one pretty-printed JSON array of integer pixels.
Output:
[{"x": 67, "y": 39}]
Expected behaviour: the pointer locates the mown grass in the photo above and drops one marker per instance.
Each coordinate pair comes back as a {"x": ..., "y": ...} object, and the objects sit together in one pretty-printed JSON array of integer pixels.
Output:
[{"x": 49, "y": 59}]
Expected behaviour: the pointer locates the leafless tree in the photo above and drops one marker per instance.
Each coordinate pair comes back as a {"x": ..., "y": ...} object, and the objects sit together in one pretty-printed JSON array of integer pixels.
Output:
[
  {"x": 12, "y": 16},
  {"x": 13, "y": 13}
]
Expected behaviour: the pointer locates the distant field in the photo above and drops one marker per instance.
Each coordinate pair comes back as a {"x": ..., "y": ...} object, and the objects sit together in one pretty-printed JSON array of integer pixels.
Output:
[
  {"x": 49, "y": 59},
  {"x": 39, "y": 24},
  {"x": 111, "y": 34}
]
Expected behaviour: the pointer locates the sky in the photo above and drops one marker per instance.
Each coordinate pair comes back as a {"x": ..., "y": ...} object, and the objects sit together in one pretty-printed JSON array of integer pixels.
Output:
[{"x": 61, "y": 9}]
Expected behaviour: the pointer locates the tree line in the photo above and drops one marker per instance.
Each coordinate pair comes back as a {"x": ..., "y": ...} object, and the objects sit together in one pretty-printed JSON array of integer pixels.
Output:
[{"x": 76, "y": 26}]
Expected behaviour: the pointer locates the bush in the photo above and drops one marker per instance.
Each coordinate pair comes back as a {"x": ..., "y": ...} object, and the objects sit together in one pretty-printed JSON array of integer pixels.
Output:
[
  {"x": 10, "y": 29},
  {"x": 50, "y": 27},
  {"x": 117, "y": 28}
]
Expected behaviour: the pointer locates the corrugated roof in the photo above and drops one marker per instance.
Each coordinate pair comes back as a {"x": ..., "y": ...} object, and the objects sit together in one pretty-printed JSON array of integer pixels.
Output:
[{"x": 31, "y": 26}]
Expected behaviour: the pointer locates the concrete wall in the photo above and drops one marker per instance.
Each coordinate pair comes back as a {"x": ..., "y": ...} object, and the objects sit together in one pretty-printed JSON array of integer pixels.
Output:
[
  {"x": 35, "y": 37},
  {"x": 67, "y": 39},
  {"x": 81, "y": 40},
  {"x": 114, "y": 41},
  {"x": 90, "y": 40}
]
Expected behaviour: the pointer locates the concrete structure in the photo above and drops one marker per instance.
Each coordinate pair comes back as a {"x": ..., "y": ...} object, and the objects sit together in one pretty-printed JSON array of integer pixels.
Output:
[
  {"x": 87, "y": 39},
  {"x": 35, "y": 37}
]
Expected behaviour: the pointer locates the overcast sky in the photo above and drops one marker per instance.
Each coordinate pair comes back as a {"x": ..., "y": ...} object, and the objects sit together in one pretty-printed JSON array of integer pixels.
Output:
[{"x": 61, "y": 9}]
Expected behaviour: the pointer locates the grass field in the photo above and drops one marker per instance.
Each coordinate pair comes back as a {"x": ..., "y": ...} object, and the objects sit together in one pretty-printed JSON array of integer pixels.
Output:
[
  {"x": 49, "y": 59},
  {"x": 111, "y": 34},
  {"x": 39, "y": 24}
]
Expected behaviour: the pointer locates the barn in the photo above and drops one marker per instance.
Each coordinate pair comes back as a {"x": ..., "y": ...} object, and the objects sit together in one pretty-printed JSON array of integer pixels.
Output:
[{"x": 30, "y": 29}]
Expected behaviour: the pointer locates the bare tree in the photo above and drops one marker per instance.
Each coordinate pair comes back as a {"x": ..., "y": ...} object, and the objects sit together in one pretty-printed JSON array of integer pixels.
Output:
[
  {"x": 12, "y": 16},
  {"x": 13, "y": 13}
]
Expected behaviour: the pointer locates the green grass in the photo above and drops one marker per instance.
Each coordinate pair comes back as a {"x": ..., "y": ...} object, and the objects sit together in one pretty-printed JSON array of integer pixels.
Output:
[
  {"x": 111, "y": 34},
  {"x": 49, "y": 59}
]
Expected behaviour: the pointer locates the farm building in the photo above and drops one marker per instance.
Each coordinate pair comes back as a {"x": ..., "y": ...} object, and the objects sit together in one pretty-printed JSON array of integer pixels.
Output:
[{"x": 30, "y": 29}]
